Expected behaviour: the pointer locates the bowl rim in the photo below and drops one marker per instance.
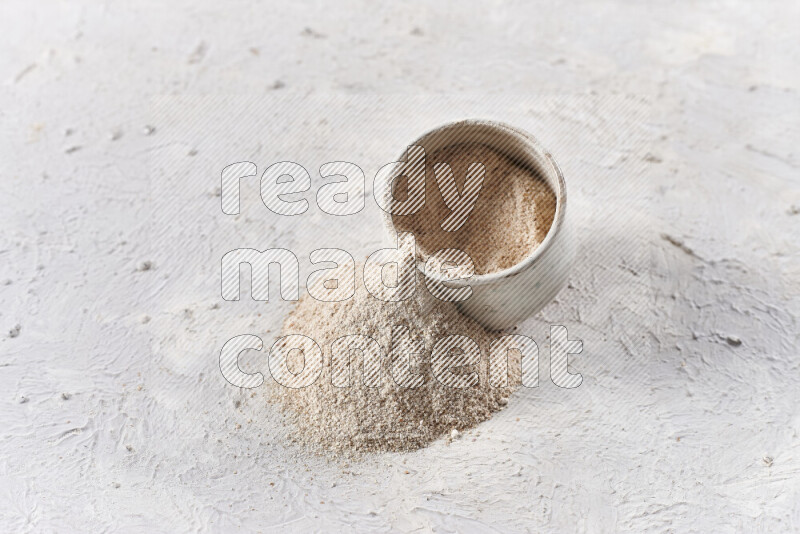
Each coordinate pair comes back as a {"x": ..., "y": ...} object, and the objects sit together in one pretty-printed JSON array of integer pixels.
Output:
[{"x": 558, "y": 219}]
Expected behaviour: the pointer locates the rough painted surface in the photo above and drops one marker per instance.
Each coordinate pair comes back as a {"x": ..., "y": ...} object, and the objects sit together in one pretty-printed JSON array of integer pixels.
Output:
[{"x": 686, "y": 291}]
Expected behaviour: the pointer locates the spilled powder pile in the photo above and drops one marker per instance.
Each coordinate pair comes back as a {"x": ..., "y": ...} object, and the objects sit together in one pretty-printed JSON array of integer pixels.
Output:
[
  {"x": 510, "y": 219},
  {"x": 389, "y": 417}
]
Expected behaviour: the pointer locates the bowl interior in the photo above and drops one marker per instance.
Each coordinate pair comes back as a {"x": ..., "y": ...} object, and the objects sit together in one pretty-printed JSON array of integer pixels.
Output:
[{"x": 517, "y": 145}]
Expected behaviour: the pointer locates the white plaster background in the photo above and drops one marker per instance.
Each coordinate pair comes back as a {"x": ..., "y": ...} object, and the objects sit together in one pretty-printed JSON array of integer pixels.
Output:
[{"x": 114, "y": 415}]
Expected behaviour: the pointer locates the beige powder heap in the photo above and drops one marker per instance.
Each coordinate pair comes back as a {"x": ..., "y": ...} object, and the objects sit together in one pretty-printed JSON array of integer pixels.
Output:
[
  {"x": 510, "y": 219},
  {"x": 357, "y": 418}
]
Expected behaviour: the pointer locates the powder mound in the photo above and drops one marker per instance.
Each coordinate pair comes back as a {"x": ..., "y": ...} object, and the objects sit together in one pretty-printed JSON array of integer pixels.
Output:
[
  {"x": 388, "y": 417},
  {"x": 513, "y": 213}
]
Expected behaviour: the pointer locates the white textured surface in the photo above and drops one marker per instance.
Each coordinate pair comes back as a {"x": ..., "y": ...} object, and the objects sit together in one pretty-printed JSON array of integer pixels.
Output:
[{"x": 115, "y": 424}]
